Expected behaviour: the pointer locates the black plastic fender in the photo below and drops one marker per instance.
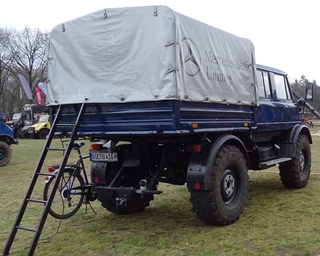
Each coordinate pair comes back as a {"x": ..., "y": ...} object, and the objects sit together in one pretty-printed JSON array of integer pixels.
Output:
[
  {"x": 289, "y": 140},
  {"x": 8, "y": 139},
  {"x": 98, "y": 172},
  {"x": 200, "y": 164}
]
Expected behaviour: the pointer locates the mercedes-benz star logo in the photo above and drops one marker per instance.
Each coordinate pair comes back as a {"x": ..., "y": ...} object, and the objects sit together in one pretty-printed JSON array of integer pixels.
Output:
[{"x": 190, "y": 57}]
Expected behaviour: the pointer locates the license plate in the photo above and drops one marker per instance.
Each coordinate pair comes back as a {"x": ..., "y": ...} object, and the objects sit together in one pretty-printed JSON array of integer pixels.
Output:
[{"x": 104, "y": 157}]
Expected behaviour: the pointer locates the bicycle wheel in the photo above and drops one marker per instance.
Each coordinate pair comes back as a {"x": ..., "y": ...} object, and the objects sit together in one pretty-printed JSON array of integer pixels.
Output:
[{"x": 67, "y": 201}]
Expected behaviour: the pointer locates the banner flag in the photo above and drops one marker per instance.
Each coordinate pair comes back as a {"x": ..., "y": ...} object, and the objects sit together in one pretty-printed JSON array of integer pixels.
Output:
[
  {"x": 43, "y": 87},
  {"x": 39, "y": 97},
  {"x": 25, "y": 86}
]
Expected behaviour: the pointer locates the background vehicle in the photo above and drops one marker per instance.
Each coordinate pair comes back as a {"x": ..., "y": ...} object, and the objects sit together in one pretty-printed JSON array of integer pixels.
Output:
[
  {"x": 6, "y": 140},
  {"x": 22, "y": 121},
  {"x": 41, "y": 129}
]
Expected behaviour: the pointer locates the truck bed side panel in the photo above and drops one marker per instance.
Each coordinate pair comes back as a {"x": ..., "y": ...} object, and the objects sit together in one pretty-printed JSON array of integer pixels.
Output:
[{"x": 157, "y": 118}]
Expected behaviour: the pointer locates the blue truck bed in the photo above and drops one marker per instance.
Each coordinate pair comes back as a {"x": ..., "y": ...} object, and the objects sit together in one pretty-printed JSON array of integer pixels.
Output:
[{"x": 158, "y": 118}]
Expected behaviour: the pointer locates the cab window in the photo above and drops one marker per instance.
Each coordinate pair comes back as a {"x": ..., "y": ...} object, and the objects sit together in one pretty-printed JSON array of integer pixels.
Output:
[
  {"x": 282, "y": 87},
  {"x": 263, "y": 84}
]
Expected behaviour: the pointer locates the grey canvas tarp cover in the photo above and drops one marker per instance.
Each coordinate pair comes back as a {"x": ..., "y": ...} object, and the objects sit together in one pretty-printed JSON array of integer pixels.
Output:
[{"x": 148, "y": 54}]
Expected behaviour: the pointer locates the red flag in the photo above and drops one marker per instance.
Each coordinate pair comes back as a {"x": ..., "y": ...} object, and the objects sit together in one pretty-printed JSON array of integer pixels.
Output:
[{"x": 39, "y": 97}]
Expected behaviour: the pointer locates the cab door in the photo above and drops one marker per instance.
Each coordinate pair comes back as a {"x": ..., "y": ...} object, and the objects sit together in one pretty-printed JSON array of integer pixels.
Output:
[
  {"x": 267, "y": 111},
  {"x": 287, "y": 110}
]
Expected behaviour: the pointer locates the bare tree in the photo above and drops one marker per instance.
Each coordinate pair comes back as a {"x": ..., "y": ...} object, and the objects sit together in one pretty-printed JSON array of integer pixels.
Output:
[
  {"x": 5, "y": 63},
  {"x": 29, "y": 51}
]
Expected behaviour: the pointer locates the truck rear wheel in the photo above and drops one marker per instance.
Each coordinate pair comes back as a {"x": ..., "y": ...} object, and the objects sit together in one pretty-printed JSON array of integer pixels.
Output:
[
  {"x": 295, "y": 173},
  {"x": 223, "y": 203},
  {"x": 5, "y": 153}
]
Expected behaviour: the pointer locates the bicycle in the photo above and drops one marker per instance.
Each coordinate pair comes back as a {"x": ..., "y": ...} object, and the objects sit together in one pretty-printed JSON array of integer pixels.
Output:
[{"x": 73, "y": 189}]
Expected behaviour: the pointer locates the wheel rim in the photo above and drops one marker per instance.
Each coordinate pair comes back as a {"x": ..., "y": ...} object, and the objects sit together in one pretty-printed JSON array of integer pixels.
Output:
[
  {"x": 1, "y": 154},
  {"x": 229, "y": 186},
  {"x": 302, "y": 162}
]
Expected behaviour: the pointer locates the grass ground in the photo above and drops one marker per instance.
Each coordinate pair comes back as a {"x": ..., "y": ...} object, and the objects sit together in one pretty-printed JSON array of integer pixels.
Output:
[{"x": 275, "y": 221}]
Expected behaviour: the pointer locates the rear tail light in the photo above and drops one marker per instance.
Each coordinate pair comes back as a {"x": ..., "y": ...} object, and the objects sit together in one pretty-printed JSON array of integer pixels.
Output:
[{"x": 95, "y": 146}]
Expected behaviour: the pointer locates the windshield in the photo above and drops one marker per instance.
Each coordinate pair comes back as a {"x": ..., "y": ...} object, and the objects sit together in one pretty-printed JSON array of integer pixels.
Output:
[
  {"x": 16, "y": 116},
  {"x": 43, "y": 119}
]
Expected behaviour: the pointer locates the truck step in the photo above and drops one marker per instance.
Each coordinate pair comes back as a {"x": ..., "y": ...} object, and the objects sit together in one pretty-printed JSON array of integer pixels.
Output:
[{"x": 273, "y": 162}]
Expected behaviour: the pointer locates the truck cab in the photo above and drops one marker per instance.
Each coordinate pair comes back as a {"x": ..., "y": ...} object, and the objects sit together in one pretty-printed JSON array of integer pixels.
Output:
[{"x": 277, "y": 109}]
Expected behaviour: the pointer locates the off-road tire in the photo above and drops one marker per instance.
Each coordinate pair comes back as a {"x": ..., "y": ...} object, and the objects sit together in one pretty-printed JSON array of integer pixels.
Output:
[
  {"x": 295, "y": 173},
  {"x": 43, "y": 134},
  {"x": 5, "y": 153},
  {"x": 223, "y": 203}
]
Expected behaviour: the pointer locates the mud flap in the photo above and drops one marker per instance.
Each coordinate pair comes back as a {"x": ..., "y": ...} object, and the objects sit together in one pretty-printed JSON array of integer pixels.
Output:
[{"x": 200, "y": 164}]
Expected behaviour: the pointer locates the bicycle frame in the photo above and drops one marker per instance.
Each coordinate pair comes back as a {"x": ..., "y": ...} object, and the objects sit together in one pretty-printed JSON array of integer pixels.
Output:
[{"x": 77, "y": 168}]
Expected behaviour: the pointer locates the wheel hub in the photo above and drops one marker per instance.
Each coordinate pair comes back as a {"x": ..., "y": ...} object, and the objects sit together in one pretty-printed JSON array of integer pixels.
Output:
[
  {"x": 66, "y": 194},
  {"x": 302, "y": 162},
  {"x": 228, "y": 185}
]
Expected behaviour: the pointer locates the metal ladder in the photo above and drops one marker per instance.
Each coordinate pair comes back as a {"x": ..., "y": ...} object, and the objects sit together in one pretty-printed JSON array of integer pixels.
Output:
[{"x": 37, "y": 231}]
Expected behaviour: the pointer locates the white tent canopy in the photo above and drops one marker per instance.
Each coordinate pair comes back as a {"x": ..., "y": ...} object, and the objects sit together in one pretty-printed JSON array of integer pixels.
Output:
[{"x": 148, "y": 54}]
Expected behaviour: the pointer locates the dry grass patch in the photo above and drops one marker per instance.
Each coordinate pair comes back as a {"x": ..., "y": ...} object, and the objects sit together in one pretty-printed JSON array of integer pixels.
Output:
[{"x": 275, "y": 221}]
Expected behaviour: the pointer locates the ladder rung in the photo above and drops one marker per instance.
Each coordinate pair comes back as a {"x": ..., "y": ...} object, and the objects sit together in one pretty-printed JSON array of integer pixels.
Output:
[
  {"x": 27, "y": 229},
  {"x": 59, "y": 149},
  {"x": 37, "y": 201},
  {"x": 65, "y": 124},
  {"x": 47, "y": 174}
]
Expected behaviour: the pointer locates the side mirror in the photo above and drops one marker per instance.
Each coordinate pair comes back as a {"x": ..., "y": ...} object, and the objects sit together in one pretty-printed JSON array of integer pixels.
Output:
[
  {"x": 309, "y": 92},
  {"x": 301, "y": 102}
]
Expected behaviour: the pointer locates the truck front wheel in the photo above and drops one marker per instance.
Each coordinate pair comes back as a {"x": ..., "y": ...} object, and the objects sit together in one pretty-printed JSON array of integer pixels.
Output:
[
  {"x": 295, "y": 173},
  {"x": 223, "y": 203},
  {"x": 5, "y": 153}
]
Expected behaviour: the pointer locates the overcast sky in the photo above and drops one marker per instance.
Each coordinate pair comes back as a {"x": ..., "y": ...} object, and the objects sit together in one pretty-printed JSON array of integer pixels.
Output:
[{"x": 285, "y": 32}]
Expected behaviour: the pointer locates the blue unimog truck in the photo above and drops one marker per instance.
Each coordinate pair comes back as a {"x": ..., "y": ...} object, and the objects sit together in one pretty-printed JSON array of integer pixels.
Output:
[
  {"x": 165, "y": 98},
  {"x": 170, "y": 99},
  {"x": 6, "y": 140}
]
